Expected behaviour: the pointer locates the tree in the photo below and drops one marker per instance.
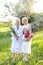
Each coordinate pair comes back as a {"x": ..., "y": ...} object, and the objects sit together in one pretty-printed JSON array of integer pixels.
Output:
[{"x": 23, "y": 8}]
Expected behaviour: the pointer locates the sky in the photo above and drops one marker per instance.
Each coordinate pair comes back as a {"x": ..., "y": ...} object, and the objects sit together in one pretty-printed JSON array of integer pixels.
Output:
[{"x": 37, "y": 8}]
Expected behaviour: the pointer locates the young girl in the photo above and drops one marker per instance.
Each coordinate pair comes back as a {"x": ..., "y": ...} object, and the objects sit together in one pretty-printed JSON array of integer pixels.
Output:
[{"x": 26, "y": 47}]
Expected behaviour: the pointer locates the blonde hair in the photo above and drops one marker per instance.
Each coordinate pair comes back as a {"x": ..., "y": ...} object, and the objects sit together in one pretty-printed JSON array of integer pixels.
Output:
[{"x": 24, "y": 18}]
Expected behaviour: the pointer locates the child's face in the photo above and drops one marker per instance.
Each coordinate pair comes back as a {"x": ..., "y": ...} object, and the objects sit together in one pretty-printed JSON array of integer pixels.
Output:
[{"x": 25, "y": 31}]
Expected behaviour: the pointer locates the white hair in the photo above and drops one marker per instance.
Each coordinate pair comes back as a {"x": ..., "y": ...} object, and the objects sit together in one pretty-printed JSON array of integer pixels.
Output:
[{"x": 17, "y": 19}]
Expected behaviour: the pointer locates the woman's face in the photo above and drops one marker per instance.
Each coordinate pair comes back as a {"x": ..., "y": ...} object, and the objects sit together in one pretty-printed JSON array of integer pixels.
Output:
[
  {"x": 25, "y": 21},
  {"x": 17, "y": 23}
]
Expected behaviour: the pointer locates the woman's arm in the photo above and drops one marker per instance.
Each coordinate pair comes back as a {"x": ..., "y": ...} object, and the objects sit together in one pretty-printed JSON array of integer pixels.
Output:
[
  {"x": 13, "y": 32},
  {"x": 30, "y": 29},
  {"x": 25, "y": 39}
]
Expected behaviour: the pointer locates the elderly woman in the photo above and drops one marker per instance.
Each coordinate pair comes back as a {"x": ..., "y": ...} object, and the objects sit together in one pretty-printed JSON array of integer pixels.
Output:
[
  {"x": 26, "y": 47},
  {"x": 17, "y": 40}
]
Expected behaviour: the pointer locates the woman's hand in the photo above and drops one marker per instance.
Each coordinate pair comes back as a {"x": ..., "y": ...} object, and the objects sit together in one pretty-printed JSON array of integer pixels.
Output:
[{"x": 16, "y": 37}]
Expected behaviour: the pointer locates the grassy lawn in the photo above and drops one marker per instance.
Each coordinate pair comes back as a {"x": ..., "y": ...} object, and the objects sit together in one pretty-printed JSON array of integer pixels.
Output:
[{"x": 5, "y": 44}]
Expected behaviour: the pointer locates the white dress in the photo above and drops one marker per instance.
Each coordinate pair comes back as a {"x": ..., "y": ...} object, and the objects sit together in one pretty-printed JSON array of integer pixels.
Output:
[
  {"x": 16, "y": 46},
  {"x": 26, "y": 46}
]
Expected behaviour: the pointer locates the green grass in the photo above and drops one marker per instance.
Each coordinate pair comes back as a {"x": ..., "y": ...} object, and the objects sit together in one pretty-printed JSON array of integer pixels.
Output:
[{"x": 5, "y": 44}]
